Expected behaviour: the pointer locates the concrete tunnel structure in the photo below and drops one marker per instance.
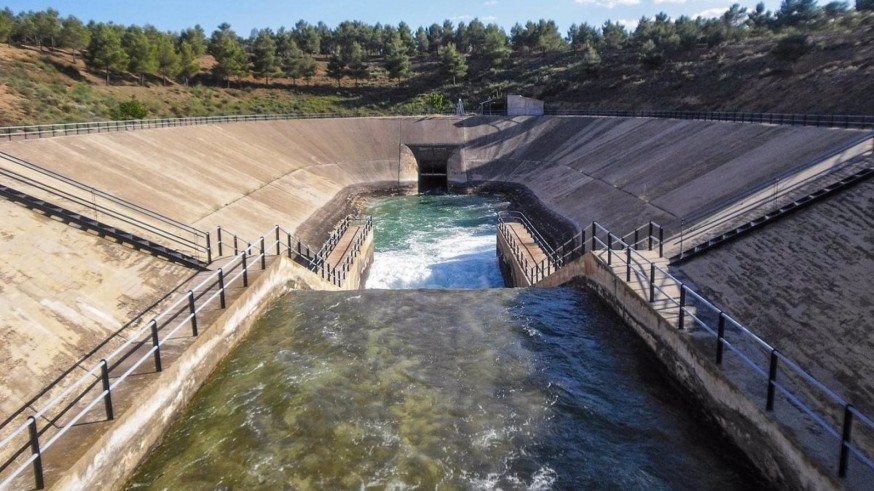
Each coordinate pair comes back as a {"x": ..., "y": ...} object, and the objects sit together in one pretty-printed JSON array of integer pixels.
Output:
[{"x": 65, "y": 291}]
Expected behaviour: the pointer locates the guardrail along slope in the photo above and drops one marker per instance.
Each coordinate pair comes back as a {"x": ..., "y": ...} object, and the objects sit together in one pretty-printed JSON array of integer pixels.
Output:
[
  {"x": 63, "y": 292},
  {"x": 805, "y": 283}
]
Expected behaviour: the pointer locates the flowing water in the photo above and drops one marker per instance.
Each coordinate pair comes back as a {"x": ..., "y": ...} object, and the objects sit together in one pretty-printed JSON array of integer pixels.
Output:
[
  {"x": 435, "y": 241},
  {"x": 441, "y": 389}
]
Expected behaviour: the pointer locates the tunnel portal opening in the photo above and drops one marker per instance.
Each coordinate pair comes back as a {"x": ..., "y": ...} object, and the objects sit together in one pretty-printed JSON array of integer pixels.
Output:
[{"x": 432, "y": 162}]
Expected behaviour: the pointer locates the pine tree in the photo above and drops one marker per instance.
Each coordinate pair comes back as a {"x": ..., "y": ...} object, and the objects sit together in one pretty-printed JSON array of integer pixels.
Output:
[
  {"x": 74, "y": 35},
  {"x": 105, "y": 51},
  {"x": 358, "y": 68},
  {"x": 188, "y": 65},
  {"x": 397, "y": 59},
  {"x": 336, "y": 68},
  {"x": 452, "y": 63},
  {"x": 495, "y": 46},
  {"x": 264, "y": 59},
  {"x": 167, "y": 58},
  {"x": 292, "y": 62},
  {"x": 308, "y": 67},
  {"x": 141, "y": 59},
  {"x": 226, "y": 48}
]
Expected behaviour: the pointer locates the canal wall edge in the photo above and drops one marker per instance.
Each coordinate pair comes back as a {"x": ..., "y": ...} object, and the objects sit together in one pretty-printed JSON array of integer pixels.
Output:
[
  {"x": 114, "y": 458},
  {"x": 771, "y": 449}
]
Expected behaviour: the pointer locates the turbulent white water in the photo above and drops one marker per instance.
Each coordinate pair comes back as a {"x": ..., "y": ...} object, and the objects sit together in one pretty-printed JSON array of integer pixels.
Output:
[{"x": 435, "y": 242}]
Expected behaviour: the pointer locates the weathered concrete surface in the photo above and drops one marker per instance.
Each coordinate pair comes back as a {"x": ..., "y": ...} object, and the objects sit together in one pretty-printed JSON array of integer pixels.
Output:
[
  {"x": 624, "y": 172},
  {"x": 804, "y": 284},
  {"x": 63, "y": 291}
]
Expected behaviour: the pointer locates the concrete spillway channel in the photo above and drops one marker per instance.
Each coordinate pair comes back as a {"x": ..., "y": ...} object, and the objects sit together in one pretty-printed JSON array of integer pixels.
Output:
[{"x": 66, "y": 291}]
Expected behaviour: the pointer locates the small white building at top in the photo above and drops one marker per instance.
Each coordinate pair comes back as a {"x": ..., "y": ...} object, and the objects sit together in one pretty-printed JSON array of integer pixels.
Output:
[{"x": 523, "y": 106}]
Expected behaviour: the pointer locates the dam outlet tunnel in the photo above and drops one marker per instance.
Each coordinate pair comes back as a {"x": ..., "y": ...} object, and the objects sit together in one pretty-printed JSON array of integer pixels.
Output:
[{"x": 432, "y": 166}]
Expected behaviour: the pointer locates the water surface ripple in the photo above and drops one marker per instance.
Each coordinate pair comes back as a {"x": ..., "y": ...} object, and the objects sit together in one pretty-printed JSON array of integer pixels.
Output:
[{"x": 449, "y": 389}]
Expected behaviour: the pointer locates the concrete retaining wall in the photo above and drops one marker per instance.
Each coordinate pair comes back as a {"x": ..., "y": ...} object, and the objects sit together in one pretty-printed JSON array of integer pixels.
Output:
[
  {"x": 511, "y": 270},
  {"x": 115, "y": 456},
  {"x": 776, "y": 454}
]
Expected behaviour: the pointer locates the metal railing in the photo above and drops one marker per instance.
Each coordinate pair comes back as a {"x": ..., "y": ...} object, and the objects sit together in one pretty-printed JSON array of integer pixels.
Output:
[
  {"x": 67, "y": 129},
  {"x": 770, "y": 192},
  {"x": 145, "y": 222},
  {"x": 804, "y": 401},
  {"x": 23, "y": 446},
  {"x": 533, "y": 271},
  {"x": 822, "y": 120}
]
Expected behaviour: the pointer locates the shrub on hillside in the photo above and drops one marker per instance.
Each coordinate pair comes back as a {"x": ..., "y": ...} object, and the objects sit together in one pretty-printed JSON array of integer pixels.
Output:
[
  {"x": 792, "y": 47},
  {"x": 131, "y": 109}
]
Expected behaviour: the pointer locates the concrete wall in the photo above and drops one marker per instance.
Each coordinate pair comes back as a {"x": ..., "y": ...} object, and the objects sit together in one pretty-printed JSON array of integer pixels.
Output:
[
  {"x": 113, "y": 459},
  {"x": 769, "y": 447},
  {"x": 62, "y": 292},
  {"x": 511, "y": 270},
  {"x": 523, "y": 106},
  {"x": 804, "y": 283}
]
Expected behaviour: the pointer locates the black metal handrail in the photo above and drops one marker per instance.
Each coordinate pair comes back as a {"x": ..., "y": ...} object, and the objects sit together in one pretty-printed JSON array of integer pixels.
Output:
[
  {"x": 714, "y": 321},
  {"x": 124, "y": 211},
  {"x": 821, "y": 120},
  {"x": 87, "y": 128},
  {"x": 181, "y": 313}
]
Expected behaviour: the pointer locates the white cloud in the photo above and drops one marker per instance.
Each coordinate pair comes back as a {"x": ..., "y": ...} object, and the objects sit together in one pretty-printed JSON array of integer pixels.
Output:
[
  {"x": 461, "y": 18},
  {"x": 490, "y": 3},
  {"x": 710, "y": 13},
  {"x": 629, "y": 24},
  {"x": 488, "y": 18},
  {"x": 659, "y": 2},
  {"x": 608, "y": 3}
]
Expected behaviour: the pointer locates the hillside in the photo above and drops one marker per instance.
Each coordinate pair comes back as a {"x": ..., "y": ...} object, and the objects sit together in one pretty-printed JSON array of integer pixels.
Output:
[{"x": 835, "y": 76}]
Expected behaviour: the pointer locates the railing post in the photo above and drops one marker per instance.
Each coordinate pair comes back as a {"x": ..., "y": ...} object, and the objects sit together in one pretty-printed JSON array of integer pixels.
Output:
[
  {"x": 635, "y": 238},
  {"x": 652, "y": 271},
  {"x": 278, "y": 242},
  {"x": 221, "y": 279},
  {"x": 583, "y": 240},
  {"x": 107, "y": 399},
  {"x": 594, "y": 234},
  {"x": 609, "y": 249},
  {"x": 845, "y": 440},
  {"x": 208, "y": 249},
  {"x": 236, "y": 247},
  {"x": 772, "y": 378},
  {"x": 263, "y": 255},
  {"x": 661, "y": 242},
  {"x": 34, "y": 448},
  {"x": 288, "y": 245},
  {"x": 156, "y": 345},
  {"x": 720, "y": 335},
  {"x": 649, "y": 235},
  {"x": 218, "y": 231},
  {"x": 245, "y": 268},
  {"x": 682, "y": 307},
  {"x": 628, "y": 264},
  {"x": 193, "y": 311}
]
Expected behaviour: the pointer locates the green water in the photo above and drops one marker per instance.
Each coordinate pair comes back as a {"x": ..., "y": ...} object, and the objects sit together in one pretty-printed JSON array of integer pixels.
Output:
[
  {"x": 448, "y": 389},
  {"x": 435, "y": 241}
]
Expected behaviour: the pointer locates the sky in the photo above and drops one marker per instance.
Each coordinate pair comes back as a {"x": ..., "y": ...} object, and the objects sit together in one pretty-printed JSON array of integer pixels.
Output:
[{"x": 244, "y": 15}]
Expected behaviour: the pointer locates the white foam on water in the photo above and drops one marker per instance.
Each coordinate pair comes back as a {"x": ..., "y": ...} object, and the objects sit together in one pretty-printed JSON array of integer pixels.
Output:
[{"x": 459, "y": 258}]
